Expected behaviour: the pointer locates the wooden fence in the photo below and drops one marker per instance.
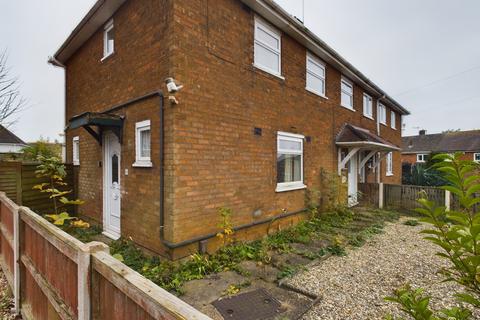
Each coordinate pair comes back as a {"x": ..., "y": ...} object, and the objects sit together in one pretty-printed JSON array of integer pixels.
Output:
[
  {"x": 55, "y": 276},
  {"x": 17, "y": 180}
]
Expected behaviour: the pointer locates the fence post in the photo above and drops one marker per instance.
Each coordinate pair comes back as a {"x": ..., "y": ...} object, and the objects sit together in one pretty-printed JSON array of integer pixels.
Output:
[
  {"x": 380, "y": 195},
  {"x": 16, "y": 262},
  {"x": 83, "y": 270},
  {"x": 447, "y": 200}
]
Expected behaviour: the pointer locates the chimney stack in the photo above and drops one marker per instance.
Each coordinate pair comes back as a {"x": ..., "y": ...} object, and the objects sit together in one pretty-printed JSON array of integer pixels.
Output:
[{"x": 422, "y": 132}]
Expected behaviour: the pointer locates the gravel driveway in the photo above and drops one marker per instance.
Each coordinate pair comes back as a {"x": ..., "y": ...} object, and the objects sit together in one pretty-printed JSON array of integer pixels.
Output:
[{"x": 353, "y": 287}]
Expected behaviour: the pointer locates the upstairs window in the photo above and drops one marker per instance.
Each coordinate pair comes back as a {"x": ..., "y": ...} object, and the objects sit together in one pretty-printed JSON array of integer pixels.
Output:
[
  {"x": 367, "y": 106},
  {"x": 347, "y": 94},
  {"x": 422, "y": 157},
  {"x": 315, "y": 75},
  {"x": 108, "y": 39},
  {"x": 289, "y": 161},
  {"x": 476, "y": 157},
  {"x": 267, "y": 48},
  {"x": 389, "y": 164},
  {"x": 382, "y": 114},
  {"x": 76, "y": 151},
  {"x": 393, "y": 120},
  {"x": 142, "y": 144}
]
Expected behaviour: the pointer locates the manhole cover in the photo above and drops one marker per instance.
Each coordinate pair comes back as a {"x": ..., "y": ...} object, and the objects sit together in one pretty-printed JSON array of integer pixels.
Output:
[{"x": 253, "y": 305}]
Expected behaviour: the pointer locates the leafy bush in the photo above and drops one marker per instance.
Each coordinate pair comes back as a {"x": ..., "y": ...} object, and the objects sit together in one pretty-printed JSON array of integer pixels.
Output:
[{"x": 457, "y": 235}]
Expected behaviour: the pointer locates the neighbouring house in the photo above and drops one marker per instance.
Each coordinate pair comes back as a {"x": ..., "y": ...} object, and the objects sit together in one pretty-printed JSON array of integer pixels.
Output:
[
  {"x": 418, "y": 149},
  {"x": 266, "y": 107},
  {"x": 10, "y": 144}
]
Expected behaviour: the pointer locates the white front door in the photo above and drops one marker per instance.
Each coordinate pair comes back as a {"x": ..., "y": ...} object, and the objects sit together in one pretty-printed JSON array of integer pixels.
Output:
[
  {"x": 353, "y": 181},
  {"x": 111, "y": 185}
]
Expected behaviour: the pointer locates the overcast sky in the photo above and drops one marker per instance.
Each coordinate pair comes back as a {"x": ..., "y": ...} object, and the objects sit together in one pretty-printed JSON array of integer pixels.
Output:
[{"x": 424, "y": 53}]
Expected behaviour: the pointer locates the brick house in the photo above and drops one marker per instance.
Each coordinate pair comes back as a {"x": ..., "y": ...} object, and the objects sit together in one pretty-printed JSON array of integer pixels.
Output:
[
  {"x": 265, "y": 107},
  {"x": 10, "y": 143},
  {"x": 417, "y": 149}
]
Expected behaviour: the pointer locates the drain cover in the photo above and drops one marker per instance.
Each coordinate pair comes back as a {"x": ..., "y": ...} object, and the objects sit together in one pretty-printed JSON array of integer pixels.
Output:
[{"x": 253, "y": 305}]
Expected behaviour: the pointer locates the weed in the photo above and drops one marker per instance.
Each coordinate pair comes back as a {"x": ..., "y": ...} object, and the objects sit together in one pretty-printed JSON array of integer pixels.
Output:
[
  {"x": 287, "y": 271},
  {"x": 337, "y": 250},
  {"x": 411, "y": 222},
  {"x": 86, "y": 234}
]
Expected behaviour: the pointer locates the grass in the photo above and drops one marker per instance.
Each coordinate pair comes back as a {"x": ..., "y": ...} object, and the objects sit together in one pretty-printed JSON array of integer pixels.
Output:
[
  {"x": 411, "y": 222},
  {"x": 341, "y": 228}
]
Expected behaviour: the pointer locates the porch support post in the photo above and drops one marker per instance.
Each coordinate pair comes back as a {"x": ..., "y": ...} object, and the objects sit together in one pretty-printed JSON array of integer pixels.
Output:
[
  {"x": 343, "y": 162},
  {"x": 365, "y": 160},
  {"x": 380, "y": 195},
  {"x": 447, "y": 200}
]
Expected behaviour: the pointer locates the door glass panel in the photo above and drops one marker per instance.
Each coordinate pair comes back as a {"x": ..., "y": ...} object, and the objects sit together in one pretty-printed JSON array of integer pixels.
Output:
[{"x": 114, "y": 168}]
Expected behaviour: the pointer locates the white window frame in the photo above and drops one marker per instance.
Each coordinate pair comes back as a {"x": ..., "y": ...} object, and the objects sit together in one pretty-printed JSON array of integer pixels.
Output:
[
  {"x": 382, "y": 114},
  {"x": 475, "y": 157},
  {"x": 294, "y": 185},
  {"x": 393, "y": 120},
  {"x": 266, "y": 27},
  {"x": 139, "y": 160},
  {"x": 108, "y": 27},
  {"x": 365, "y": 111},
  {"x": 316, "y": 61},
  {"x": 421, "y": 157},
  {"x": 350, "y": 84},
  {"x": 76, "y": 150},
  {"x": 389, "y": 164}
]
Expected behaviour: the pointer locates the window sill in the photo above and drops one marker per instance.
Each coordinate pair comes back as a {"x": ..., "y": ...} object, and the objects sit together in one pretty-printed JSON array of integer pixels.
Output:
[
  {"x": 389, "y": 174},
  {"x": 76, "y": 164},
  {"x": 290, "y": 187},
  {"x": 142, "y": 164},
  {"x": 107, "y": 56},
  {"x": 270, "y": 72},
  {"x": 348, "y": 108},
  {"x": 316, "y": 93},
  {"x": 369, "y": 117},
  {"x": 384, "y": 124}
]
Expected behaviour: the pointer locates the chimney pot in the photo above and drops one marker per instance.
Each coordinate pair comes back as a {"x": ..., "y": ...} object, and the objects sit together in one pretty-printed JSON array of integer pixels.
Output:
[{"x": 422, "y": 132}]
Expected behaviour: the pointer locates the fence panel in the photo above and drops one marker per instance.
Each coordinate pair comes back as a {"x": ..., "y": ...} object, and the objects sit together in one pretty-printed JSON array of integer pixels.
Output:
[
  {"x": 405, "y": 197},
  {"x": 10, "y": 176},
  {"x": 53, "y": 274},
  {"x": 369, "y": 193}
]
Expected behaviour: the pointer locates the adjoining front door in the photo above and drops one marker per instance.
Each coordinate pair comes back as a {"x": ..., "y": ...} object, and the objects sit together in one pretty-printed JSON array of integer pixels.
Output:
[
  {"x": 353, "y": 181},
  {"x": 111, "y": 185}
]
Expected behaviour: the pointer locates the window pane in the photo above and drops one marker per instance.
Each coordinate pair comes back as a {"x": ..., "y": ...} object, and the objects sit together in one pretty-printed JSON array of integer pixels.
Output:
[
  {"x": 114, "y": 168},
  {"x": 315, "y": 68},
  {"x": 110, "y": 40},
  {"x": 266, "y": 58},
  {"x": 289, "y": 168},
  {"x": 266, "y": 38},
  {"x": 315, "y": 83},
  {"x": 346, "y": 100},
  {"x": 290, "y": 145},
  {"x": 145, "y": 143},
  {"x": 346, "y": 87}
]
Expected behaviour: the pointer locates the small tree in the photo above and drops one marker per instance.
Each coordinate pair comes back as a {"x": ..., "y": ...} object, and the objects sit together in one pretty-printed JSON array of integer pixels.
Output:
[
  {"x": 52, "y": 169},
  {"x": 457, "y": 235}
]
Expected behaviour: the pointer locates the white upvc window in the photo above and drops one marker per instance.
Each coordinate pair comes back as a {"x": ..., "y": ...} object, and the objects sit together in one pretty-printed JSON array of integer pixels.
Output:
[
  {"x": 76, "y": 151},
  {"x": 476, "y": 157},
  {"x": 367, "y": 106},
  {"x": 108, "y": 40},
  {"x": 315, "y": 75},
  {"x": 142, "y": 144},
  {"x": 289, "y": 162},
  {"x": 422, "y": 157},
  {"x": 346, "y": 88},
  {"x": 389, "y": 164},
  {"x": 382, "y": 113},
  {"x": 267, "y": 48},
  {"x": 393, "y": 119}
]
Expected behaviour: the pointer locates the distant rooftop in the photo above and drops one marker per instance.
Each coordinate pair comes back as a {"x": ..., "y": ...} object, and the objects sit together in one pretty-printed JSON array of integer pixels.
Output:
[
  {"x": 468, "y": 141},
  {"x": 8, "y": 137}
]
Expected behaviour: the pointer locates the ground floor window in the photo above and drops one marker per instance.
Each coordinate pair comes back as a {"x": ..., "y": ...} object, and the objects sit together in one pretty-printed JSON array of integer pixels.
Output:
[
  {"x": 422, "y": 157},
  {"x": 289, "y": 161},
  {"x": 389, "y": 164},
  {"x": 142, "y": 144},
  {"x": 476, "y": 157},
  {"x": 76, "y": 151}
]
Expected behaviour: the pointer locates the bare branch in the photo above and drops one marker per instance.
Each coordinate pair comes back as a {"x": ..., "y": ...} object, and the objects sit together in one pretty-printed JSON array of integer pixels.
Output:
[{"x": 11, "y": 101}]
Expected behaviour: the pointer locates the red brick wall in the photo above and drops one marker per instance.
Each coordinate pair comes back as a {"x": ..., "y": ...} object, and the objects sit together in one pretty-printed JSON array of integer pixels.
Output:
[
  {"x": 221, "y": 163},
  {"x": 139, "y": 66}
]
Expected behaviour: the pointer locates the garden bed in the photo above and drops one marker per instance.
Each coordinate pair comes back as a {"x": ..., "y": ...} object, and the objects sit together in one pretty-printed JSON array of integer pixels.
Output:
[{"x": 241, "y": 267}]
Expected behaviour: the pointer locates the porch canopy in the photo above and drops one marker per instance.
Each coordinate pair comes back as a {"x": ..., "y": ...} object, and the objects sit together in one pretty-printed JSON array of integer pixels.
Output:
[
  {"x": 102, "y": 121},
  {"x": 357, "y": 139}
]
